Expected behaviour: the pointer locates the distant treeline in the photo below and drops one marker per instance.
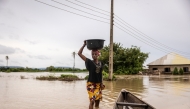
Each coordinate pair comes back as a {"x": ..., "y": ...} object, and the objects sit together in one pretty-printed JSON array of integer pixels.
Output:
[{"x": 48, "y": 69}]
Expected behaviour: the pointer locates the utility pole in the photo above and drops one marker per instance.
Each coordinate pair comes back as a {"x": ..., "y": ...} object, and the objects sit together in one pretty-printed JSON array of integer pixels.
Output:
[{"x": 111, "y": 44}]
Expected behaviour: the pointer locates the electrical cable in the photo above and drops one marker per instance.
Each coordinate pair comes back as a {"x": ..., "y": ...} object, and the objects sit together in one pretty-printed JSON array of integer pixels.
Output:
[
  {"x": 85, "y": 7},
  {"x": 165, "y": 46},
  {"x": 79, "y": 10},
  {"x": 134, "y": 29},
  {"x": 136, "y": 37},
  {"x": 70, "y": 12}
]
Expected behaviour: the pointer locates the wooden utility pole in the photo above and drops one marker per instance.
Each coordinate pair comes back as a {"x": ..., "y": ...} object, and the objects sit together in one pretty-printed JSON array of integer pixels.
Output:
[{"x": 111, "y": 44}]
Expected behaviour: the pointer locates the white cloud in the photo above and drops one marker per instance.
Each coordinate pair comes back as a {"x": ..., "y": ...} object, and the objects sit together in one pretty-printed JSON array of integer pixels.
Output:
[
  {"x": 41, "y": 57},
  {"x": 6, "y": 50}
]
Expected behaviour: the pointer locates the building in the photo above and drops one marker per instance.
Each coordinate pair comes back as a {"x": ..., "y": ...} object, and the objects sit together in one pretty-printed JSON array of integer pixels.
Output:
[{"x": 166, "y": 64}]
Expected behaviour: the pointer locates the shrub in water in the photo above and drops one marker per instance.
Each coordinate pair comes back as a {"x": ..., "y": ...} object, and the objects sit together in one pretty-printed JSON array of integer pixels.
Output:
[
  {"x": 175, "y": 72},
  {"x": 181, "y": 71}
]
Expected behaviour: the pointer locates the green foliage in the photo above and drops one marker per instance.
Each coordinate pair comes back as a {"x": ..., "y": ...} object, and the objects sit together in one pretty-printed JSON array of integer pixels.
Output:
[
  {"x": 49, "y": 69},
  {"x": 181, "y": 71},
  {"x": 60, "y": 69},
  {"x": 86, "y": 77},
  {"x": 175, "y": 72},
  {"x": 63, "y": 77},
  {"x": 106, "y": 76},
  {"x": 125, "y": 60},
  {"x": 68, "y": 76}
]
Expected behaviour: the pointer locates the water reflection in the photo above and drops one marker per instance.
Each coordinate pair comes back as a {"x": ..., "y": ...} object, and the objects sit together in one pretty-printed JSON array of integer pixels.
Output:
[{"x": 163, "y": 92}]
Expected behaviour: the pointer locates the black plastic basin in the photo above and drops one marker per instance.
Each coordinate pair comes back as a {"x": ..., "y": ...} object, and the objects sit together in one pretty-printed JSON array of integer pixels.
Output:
[{"x": 95, "y": 44}]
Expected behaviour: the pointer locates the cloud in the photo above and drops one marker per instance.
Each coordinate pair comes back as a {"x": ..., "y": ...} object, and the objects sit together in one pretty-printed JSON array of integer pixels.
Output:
[
  {"x": 32, "y": 42},
  {"x": 42, "y": 57},
  {"x": 3, "y": 1},
  {"x": 64, "y": 64},
  {"x": 26, "y": 61},
  {"x": 6, "y": 50},
  {"x": 1, "y": 60},
  {"x": 19, "y": 50},
  {"x": 1, "y": 37},
  {"x": 9, "y": 50},
  {"x": 15, "y": 62},
  {"x": 53, "y": 49},
  {"x": 14, "y": 36}
]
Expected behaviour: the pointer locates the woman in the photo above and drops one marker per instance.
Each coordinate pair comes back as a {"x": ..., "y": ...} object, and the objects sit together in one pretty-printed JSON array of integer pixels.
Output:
[{"x": 94, "y": 82}]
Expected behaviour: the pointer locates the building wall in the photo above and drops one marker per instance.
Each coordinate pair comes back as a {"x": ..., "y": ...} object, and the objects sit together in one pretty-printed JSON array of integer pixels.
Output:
[{"x": 161, "y": 68}]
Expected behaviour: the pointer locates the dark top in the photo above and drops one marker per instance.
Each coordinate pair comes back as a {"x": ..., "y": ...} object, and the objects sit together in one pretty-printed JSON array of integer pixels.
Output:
[{"x": 95, "y": 71}]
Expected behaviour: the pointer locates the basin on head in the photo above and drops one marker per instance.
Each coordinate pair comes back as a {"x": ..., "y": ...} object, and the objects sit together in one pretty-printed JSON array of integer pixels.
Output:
[{"x": 95, "y": 44}]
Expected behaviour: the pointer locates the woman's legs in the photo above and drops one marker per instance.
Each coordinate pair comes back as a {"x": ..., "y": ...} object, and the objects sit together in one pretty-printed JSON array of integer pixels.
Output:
[
  {"x": 97, "y": 102},
  {"x": 91, "y": 104}
]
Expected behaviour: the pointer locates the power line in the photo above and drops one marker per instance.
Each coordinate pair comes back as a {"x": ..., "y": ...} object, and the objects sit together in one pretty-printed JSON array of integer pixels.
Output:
[
  {"x": 92, "y": 6},
  {"x": 70, "y": 11},
  {"x": 134, "y": 29},
  {"x": 107, "y": 23},
  {"x": 85, "y": 7},
  {"x": 139, "y": 32},
  {"x": 135, "y": 36},
  {"x": 144, "y": 41},
  {"x": 79, "y": 10}
]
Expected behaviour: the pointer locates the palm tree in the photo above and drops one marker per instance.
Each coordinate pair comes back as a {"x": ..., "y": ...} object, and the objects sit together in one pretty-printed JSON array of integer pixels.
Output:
[
  {"x": 73, "y": 54},
  {"x": 7, "y": 58}
]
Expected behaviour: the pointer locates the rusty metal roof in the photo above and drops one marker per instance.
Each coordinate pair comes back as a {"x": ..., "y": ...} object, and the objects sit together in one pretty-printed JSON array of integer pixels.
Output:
[{"x": 170, "y": 59}]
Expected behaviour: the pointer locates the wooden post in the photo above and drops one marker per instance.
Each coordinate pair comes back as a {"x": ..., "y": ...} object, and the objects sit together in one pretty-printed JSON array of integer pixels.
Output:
[{"x": 111, "y": 44}]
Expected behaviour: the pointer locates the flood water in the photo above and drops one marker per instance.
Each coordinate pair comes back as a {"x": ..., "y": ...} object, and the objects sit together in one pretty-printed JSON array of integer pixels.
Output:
[{"x": 162, "y": 92}]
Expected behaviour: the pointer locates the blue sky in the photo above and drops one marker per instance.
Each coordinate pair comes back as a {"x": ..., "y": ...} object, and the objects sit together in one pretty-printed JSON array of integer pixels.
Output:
[{"x": 36, "y": 35}]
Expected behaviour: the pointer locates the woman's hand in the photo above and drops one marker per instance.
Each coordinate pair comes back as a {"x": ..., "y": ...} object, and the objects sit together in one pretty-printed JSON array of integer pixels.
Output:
[
  {"x": 102, "y": 86},
  {"x": 84, "y": 43},
  {"x": 81, "y": 50}
]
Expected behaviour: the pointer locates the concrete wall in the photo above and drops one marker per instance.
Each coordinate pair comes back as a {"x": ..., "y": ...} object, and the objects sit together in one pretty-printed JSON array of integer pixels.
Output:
[{"x": 161, "y": 68}]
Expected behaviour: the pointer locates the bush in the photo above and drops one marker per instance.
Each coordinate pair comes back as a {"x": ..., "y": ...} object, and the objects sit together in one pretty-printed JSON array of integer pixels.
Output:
[
  {"x": 62, "y": 77},
  {"x": 175, "y": 72},
  {"x": 106, "y": 76},
  {"x": 69, "y": 76},
  {"x": 86, "y": 77},
  {"x": 181, "y": 71}
]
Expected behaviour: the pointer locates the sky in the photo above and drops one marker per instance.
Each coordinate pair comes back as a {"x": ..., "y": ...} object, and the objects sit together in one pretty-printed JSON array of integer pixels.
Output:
[{"x": 37, "y": 35}]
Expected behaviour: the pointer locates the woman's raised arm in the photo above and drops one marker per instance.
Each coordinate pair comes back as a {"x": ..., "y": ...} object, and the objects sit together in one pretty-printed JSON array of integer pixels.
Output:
[{"x": 81, "y": 50}]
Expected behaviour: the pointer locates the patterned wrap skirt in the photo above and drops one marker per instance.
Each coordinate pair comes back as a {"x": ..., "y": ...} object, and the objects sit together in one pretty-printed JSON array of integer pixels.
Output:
[{"x": 94, "y": 91}]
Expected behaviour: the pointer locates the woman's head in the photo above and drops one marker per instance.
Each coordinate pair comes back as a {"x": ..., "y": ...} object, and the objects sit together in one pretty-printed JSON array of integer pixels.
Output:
[{"x": 95, "y": 54}]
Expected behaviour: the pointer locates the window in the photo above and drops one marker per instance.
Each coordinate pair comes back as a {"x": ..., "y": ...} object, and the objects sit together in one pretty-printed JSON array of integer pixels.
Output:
[
  {"x": 167, "y": 69},
  {"x": 186, "y": 69},
  {"x": 154, "y": 68}
]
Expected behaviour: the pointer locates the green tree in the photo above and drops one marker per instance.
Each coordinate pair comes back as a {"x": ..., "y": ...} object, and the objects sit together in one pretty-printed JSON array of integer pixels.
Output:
[
  {"x": 181, "y": 71},
  {"x": 125, "y": 60},
  {"x": 50, "y": 68},
  {"x": 7, "y": 58},
  {"x": 175, "y": 72}
]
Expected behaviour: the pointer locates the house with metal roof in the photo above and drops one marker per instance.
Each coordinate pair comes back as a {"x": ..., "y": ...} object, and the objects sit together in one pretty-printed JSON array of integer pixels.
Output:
[{"x": 167, "y": 63}]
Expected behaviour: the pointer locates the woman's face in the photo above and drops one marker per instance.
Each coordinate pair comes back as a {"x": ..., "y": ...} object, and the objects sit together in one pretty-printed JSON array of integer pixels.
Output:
[{"x": 95, "y": 55}]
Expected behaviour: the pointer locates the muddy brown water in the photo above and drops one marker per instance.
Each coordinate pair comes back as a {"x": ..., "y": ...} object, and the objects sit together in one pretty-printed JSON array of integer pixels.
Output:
[{"x": 162, "y": 92}]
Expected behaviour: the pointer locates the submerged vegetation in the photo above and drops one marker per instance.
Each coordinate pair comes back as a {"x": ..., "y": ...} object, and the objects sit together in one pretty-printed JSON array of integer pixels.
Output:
[
  {"x": 177, "y": 72},
  {"x": 63, "y": 77}
]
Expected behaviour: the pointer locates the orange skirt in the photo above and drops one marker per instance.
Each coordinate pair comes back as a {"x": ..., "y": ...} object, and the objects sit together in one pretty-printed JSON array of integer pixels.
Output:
[{"x": 94, "y": 91}]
